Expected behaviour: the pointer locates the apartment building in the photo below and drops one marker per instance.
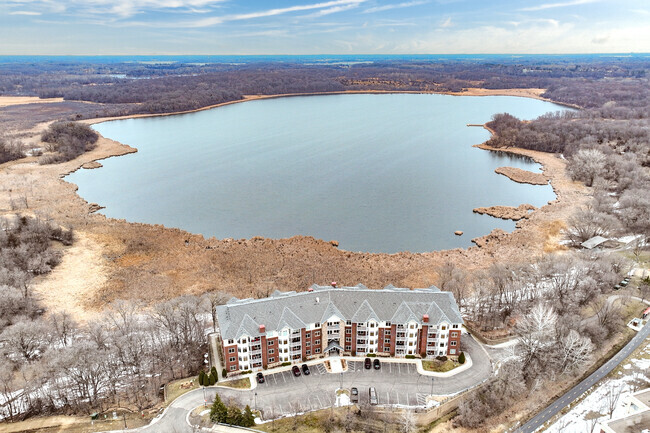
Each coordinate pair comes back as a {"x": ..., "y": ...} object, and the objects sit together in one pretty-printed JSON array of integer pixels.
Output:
[{"x": 330, "y": 320}]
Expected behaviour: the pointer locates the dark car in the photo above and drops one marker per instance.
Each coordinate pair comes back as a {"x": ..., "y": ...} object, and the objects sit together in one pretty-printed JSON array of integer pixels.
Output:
[
  {"x": 260, "y": 377},
  {"x": 368, "y": 363},
  {"x": 354, "y": 395},
  {"x": 376, "y": 364},
  {"x": 296, "y": 370},
  {"x": 305, "y": 370}
]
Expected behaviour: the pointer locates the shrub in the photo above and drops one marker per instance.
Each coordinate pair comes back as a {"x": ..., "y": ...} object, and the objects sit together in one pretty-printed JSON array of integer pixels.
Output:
[
  {"x": 211, "y": 380},
  {"x": 441, "y": 358},
  {"x": 410, "y": 357},
  {"x": 201, "y": 378},
  {"x": 224, "y": 373},
  {"x": 284, "y": 364},
  {"x": 372, "y": 355},
  {"x": 461, "y": 358},
  {"x": 68, "y": 140}
]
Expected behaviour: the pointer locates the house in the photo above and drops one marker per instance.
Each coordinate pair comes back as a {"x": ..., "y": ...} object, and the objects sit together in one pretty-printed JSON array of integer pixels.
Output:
[
  {"x": 290, "y": 327},
  {"x": 637, "y": 418}
]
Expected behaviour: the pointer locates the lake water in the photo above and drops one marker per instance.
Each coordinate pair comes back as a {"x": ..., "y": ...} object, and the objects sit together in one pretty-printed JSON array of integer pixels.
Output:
[{"x": 378, "y": 173}]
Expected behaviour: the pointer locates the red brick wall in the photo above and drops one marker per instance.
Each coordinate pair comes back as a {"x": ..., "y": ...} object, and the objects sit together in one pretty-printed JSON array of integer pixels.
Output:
[
  {"x": 393, "y": 335},
  {"x": 227, "y": 357},
  {"x": 269, "y": 346},
  {"x": 422, "y": 340},
  {"x": 354, "y": 338},
  {"x": 454, "y": 335}
]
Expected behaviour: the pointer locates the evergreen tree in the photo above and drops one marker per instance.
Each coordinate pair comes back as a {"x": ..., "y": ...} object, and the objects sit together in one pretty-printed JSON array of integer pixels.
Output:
[
  {"x": 219, "y": 411},
  {"x": 461, "y": 358},
  {"x": 248, "y": 419},
  {"x": 211, "y": 380},
  {"x": 234, "y": 416},
  {"x": 201, "y": 377}
]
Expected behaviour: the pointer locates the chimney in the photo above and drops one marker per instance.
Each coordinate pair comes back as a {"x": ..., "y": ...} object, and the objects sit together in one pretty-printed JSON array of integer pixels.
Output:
[
  {"x": 262, "y": 329},
  {"x": 333, "y": 283},
  {"x": 425, "y": 318}
]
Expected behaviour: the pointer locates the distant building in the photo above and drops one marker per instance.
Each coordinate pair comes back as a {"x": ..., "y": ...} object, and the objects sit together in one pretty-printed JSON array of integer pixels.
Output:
[
  {"x": 637, "y": 418},
  {"x": 354, "y": 321}
]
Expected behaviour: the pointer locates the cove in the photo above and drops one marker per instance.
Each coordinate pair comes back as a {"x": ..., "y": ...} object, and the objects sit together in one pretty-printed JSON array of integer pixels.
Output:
[{"x": 378, "y": 173}]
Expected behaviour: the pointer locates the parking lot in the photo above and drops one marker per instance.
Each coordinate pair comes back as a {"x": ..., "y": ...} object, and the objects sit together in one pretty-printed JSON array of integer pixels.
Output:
[{"x": 396, "y": 383}]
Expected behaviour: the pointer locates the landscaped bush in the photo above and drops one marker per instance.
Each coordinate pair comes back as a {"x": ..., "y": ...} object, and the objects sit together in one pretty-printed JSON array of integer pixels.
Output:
[
  {"x": 371, "y": 355},
  {"x": 441, "y": 358},
  {"x": 410, "y": 356},
  {"x": 461, "y": 358},
  {"x": 284, "y": 364},
  {"x": 224, "y": 373}
]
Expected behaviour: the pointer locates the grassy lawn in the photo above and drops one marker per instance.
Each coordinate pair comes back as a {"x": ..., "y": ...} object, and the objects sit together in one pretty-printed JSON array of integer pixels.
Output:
[
  {"x": 179, "y": 387},
  {"x": 244, "y": 383},
  {"x": 440, "y": 366}
]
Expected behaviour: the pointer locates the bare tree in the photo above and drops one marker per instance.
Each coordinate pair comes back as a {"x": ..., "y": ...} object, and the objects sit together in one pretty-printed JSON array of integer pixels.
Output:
[
  {"x": 212, "y": 300},
  {"x": 407, "y": 421},
  {"x": 611, "y": 398},
  {"x": 576, "y": 350}
]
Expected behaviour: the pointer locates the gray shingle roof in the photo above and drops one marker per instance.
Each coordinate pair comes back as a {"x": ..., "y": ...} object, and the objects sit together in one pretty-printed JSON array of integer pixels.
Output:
[{"x": 356, "y": 304}]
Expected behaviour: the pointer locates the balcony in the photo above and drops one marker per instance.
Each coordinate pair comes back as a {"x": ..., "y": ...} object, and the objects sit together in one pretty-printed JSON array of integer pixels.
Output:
[{"x": 361, "y": 327}]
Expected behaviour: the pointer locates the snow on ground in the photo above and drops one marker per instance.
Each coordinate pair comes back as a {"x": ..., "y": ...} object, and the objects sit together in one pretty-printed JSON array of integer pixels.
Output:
[{"x": 574, "y": 420}]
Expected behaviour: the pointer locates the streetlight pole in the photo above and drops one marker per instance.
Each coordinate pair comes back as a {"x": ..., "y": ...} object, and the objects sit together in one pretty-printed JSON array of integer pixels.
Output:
[
  {"x": 255, "y": 401},
  {"x": 432, "y": 386},
  {"x": 205, "y": 400}
]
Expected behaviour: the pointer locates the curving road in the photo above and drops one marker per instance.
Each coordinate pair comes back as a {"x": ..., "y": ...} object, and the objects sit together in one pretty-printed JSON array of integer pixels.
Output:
[
  {"x": 555, "y": 407},
  {"x": 403, "y": 384}
]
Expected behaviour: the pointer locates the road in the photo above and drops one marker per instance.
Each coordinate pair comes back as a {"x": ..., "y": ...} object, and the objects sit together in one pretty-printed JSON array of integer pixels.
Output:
[
  {"x": 396, "y": 384},
  {"x": 575, "y": 392}
]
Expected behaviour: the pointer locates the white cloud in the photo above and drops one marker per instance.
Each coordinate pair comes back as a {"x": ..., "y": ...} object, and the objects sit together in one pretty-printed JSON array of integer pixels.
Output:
[
  {"x": 30, "y": 13},
  {"x": 446, "y": 23},
  {"x": 395, "y": 6},
  {"x": 273, "y": 12},
  {"x": 557, "y": 5}
]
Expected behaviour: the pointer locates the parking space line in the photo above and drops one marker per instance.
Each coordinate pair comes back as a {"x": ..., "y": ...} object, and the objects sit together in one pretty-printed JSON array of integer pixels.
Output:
[
  {"x": 285, "y": 379},
  {"x": 387, "y": 397},
  {"x": 319, "y": 402},
  {"x": 399, "y": 367}
]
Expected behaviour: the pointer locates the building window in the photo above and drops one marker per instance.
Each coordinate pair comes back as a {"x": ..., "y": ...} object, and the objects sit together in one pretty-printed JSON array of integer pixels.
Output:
[
  {"x": 271, "y": 351},
  {"x": 307, "y": 344},
  {"x": 316, "y": 333},
  {"x": 453, "y": 343},
  {"x": 444, "y": 328},
  {"x": 231, "y": 341},
  {"x": 452, "y": 352},
  {"x": 317, "y": 342},
  {"x": 455, "y": 326},
  {"x": 308, "y": 335},
  {"x": 231, "y": 350},
  {"x": 348, "y": 348},
  {"x": 233, "y": 367},
  {"x": 232, "y": 359},
  {"x": 348, "y": 339},
  {"x": 348, "y": 330},
  {"x": 317, "y": 350},
  {"x": 442, "y": 344},
  {"x": 386, "y": 349},
  {"x": 386, "y": 340},
  {"x": 387, "y": 323},
  {"x": 349, "y": 322},
  {"x": 308, "y": 352},
  {"x": 432, "y": 336},
  {"x": 271, "y": 359},
  {"x": 316, "y": 325},
  {"x": 387, "y": 332},
  {"x": 271, "y": 343}
]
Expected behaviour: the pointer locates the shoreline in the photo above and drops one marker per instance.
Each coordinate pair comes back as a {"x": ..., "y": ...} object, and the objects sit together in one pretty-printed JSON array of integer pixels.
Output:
[{"x": 151, "y": 262}]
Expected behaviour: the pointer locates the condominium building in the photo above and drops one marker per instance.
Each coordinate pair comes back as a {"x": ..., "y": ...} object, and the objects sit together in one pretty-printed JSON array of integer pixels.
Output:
[{"x": 329, "y": 320}]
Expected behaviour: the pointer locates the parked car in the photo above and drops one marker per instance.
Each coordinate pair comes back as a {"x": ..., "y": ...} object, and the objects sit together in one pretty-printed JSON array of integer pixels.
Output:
[
  {"x": 296, "y": 370},
  {"x": 368, "y": 363},
  {"x": 305, "y": 370},
  {"x": 372, "y": 396},
  {"x": 260, "y": 377},
  {"x": 377, "y": 364},
  {"x": 354, "y": 395}
]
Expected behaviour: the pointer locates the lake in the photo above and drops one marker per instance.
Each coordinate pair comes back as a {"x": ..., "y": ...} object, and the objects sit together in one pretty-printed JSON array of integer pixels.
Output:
[{"x": 378, "y": 173}]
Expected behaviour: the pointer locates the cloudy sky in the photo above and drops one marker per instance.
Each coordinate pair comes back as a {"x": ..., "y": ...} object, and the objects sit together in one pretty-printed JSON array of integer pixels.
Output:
[{"x": 159, "y": 27}]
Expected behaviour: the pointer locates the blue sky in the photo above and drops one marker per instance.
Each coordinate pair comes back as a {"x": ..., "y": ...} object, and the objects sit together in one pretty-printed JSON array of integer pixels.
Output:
[{"x": 131, "y": 27}]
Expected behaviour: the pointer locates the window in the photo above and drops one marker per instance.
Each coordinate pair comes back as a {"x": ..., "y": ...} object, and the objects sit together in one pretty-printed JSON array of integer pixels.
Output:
[
  {"x": 387, "y": 332},
  {"x": 317, "y": 342},
  {"x": 453, "y": 343},
  {"x": 232, "y": 359},
  {"x": 317, "y": 350},
  {"x": 348, "y": 339},
  {"x": 348, "y": 347},
  {"x": 231, "y": 341},
  {"x": 233, "y": 367},
  {"x": 271, "y": 359},
  {"x": 386, "y": 340},
  {"x": 452, "y": 352},
  {"x": 348, "y": 330},
  {"x": 387, "y": 323},
  {"x": 454, "y": 334},
  {"x": 349, "y": 322},
  {"x": 386, "y": 349},
  {"x": 308, "y": 335},
  {"x": 272, "y": 342},
  {"x": 455, "y": 326},
  {"x": 442, "y": 344},
  {"x": 444, "y": 328},
  {"x": 316, "y": 325},
  {"x": 432, "y": 336},
  {"x": 231, "y": 350},
  {"x": 307, "y": 344},
  {"x": 271, "y": 351},
  {"x": 308, "y": 352},
  {"x": 316, "y": 333}
]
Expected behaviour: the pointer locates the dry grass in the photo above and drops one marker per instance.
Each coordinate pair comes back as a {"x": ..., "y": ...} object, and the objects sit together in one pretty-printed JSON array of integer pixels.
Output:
[
  {"x": 440, "y": 366},
  {"x": 179, "y": 387},
  {"x": 244, "y": 383},
  {"x": 74, "y": 424}
]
